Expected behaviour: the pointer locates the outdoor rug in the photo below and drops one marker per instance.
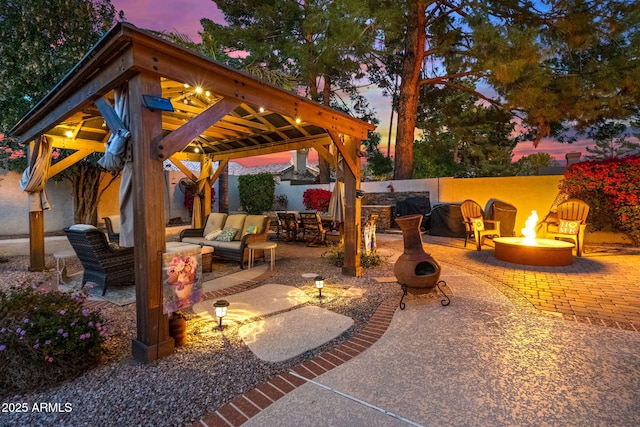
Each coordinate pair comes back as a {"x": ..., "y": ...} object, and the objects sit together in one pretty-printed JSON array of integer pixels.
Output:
[{"x": 119, "y": 295}]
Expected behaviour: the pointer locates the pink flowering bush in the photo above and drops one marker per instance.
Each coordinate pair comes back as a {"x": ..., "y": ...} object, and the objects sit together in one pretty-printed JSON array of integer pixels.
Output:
[
  {"x": 45, "y": 338},
  {"x": 316, "y": 199},
  {"x": 612, "y": 190}
]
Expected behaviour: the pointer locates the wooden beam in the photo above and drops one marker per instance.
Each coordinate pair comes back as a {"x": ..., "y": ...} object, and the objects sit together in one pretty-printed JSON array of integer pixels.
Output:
[
  {"x": 175, "y": 141},
  {"x": 76, "y": 144},
  {"x": 152, "y": 333},
  {"x": 111, "y": 75},
  {"x": 183, "y": 168},
  {"x": 223, "y": 164},
  {"x": 347, "y": 154},
  {"x": 265, "y": 149},
  {"x": 325, "y": 154},
  {"x": 67, "y": 162},
  {"x": 36, "y": 241},
  {"x": 352, "y": 223},
  {"x": 184, "y": 66}
]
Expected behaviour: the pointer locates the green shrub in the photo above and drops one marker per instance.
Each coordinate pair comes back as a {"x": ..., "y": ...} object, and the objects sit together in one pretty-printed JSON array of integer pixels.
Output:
[
  {"x": 45, "y": 338},
  {"x": 335, "y": 253},
  {"x": 256, "y": 192}
]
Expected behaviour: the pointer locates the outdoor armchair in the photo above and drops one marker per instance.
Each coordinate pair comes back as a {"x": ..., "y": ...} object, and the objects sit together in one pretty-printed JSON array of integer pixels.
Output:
[
  {"x": 104, "y": 263},
  {"x": 476, "y": 225},
  {"x": 569, "y": 222},
  {"x": 312, "y": 228},
  {"x": 112, "y": 224}
]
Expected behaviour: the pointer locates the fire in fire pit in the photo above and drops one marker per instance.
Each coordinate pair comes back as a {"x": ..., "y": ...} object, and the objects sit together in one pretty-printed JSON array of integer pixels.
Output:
[{"x": 531, "y": 250}]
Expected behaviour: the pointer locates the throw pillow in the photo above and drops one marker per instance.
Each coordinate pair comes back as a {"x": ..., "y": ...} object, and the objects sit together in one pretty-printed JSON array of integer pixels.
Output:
[
  {"x": 213, "y": 235},
  {"x": 568, "y": 227},
  {"x": 477, "y": 223},
  {"x": 252, "y": 229},
  {"x": 227, "y": 235}
]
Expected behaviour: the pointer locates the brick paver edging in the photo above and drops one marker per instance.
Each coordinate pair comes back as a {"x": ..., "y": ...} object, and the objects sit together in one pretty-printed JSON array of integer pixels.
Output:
[{"x": 248, "y": 405}]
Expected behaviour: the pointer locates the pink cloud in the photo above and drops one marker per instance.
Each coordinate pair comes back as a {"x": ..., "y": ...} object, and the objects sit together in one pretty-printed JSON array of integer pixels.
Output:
[{"x": 163, "y": 15}]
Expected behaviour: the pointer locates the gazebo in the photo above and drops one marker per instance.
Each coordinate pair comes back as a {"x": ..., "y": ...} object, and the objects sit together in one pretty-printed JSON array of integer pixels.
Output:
[{"x": 179, "y": 106}]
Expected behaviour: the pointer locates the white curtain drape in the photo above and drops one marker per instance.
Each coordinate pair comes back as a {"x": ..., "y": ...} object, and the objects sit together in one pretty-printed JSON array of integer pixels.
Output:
[{"x": 34, "y": 177}]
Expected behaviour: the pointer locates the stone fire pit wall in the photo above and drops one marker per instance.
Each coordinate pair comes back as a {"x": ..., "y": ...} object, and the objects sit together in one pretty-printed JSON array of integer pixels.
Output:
[{"x": 384, "y": 204}]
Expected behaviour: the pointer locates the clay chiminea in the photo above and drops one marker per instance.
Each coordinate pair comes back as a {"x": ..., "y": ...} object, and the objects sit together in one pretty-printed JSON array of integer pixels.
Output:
[{"x": 415, "y": 269}]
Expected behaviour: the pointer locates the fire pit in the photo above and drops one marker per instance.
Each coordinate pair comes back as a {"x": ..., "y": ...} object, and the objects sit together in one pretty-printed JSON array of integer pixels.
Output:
[{"x": 530, "y": 250}]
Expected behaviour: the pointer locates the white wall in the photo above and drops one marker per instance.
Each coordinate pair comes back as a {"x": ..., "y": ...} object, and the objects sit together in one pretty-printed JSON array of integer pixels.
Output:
[{"x": 14, "y": 215}]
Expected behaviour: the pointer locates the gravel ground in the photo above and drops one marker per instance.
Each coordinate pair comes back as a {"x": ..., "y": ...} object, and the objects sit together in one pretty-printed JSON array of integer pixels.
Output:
[{"x": 198, "y": 378}]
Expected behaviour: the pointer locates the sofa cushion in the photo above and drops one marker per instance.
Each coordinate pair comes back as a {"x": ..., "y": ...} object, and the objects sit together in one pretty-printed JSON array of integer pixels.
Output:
[
  {"x": 235, "y": 221},
  {"x": 215, "y": 222},
  {"x": 82, "y": 227},
  {"x": 256, "y": 221},
  {"x": 227, "y": 234}
]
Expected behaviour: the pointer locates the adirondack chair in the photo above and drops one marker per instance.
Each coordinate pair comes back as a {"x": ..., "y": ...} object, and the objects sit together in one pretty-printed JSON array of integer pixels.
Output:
[
  {"x": 569, "y": 222},
  {"x": 475, "y": 223}
]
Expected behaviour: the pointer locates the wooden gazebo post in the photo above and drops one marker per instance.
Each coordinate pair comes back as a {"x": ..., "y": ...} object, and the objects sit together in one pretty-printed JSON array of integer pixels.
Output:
[
  {"x": 153, "y": 340},
  {"x": 352, "y": 203}
]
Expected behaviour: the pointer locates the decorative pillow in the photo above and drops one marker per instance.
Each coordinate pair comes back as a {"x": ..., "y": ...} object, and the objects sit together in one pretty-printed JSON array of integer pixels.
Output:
[
  {"x": 227, "y": 235},
  {"x": 213, "y": 235},
  {"x": 568, "y": 227},
  {"x": 82, "y": 227},
  {"x": 477, "y": 223},
  {"x": 252, "y": 229}
]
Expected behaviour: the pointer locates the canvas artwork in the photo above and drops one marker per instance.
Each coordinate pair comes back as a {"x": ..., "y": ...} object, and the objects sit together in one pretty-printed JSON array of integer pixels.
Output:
[{"x": 182, "y": 279}]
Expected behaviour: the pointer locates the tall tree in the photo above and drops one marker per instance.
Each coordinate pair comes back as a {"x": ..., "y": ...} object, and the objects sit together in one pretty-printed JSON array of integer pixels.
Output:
[
  {"x": 531, "y": 164},
  {"x": 547, "y": 62},
  {"x": 40, "y": 40},
  {"x": 317, "y": 41},
  {"x": 611, "y": 141},
  {"x": 461, "y": 136}
]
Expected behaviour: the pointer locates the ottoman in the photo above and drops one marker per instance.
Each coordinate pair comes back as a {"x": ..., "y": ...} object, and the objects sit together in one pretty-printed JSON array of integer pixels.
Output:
[{"x": 205, "y": 251}]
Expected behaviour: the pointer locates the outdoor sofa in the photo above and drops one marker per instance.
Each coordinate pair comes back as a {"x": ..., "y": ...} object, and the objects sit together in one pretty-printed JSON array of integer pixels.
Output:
[{"x": 230, "y": 235}]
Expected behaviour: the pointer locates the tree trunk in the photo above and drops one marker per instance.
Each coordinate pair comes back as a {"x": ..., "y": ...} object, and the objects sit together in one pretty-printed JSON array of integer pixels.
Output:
[
  {"x": 223, "y": 187},
  {"x": 409, "y": 92},
  {"x": 323, "y": 165},
  {"x": 86, "y": 184},
  {"x": 86, "y": 193}
]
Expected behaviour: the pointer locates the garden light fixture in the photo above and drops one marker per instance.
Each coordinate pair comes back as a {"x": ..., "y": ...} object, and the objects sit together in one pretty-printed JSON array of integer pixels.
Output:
[
  {"x": 319, "y": 280},
  {"x": 221, "y": 310}
]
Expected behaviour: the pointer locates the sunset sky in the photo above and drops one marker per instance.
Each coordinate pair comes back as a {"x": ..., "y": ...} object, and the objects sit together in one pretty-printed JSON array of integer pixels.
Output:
[{"x": 184, "y": 17}]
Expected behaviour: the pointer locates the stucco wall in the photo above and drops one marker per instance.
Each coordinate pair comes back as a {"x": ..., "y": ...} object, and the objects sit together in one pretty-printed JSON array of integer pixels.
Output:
[
  {"x": 14, "y": 215},
  {"x": 525, "y": 193},
  {"x": 14, "y": 218}
]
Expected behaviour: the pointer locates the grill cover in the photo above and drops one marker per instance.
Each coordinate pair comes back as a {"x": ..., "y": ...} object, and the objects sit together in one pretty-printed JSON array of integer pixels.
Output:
[{"x": 446, "y": 221}]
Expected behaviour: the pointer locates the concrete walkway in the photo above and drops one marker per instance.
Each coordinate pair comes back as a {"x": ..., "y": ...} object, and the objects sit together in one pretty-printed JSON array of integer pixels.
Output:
[{"x": 496, "y": 356}]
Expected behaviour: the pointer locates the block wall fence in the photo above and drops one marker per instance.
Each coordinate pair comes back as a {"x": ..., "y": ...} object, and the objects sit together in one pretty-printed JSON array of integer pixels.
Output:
[{"x": 526, "y": 193}]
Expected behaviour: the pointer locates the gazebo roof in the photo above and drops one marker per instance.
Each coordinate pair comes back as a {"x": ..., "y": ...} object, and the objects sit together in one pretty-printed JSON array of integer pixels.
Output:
[{"x": 245, "y": 116}]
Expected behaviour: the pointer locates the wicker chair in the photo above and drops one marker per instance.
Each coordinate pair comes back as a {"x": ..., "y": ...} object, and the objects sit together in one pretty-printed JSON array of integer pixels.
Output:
[
  {"x": 112, "y": 224},
  {"x": 103, "y": 263}
]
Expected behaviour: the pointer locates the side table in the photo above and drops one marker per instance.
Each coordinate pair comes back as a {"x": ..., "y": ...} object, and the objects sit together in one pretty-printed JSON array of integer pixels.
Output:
[
  {"x": 264, "y": 246},
  {"x": 61, "y": 264}
]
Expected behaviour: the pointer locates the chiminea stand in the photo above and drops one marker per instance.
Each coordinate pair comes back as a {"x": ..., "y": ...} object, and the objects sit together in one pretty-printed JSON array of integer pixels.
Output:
[{"x": 446, "y": 301}]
